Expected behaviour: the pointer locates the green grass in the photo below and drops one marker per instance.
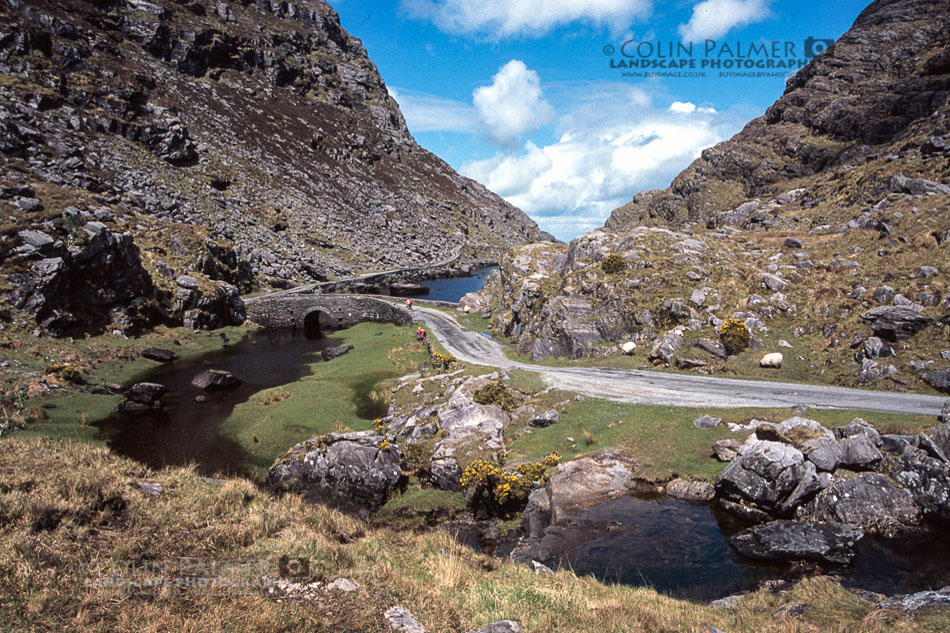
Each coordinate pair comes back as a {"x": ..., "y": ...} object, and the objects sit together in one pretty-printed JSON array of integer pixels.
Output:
[
  {"x": 663, "y": 439},
  {"x": 331, "y": 398},
  {"x": 70, "y": 412}
]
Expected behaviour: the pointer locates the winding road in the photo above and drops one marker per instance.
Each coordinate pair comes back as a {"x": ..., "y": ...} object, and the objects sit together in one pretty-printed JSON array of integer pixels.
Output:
[{"x": 653, "y": 387}]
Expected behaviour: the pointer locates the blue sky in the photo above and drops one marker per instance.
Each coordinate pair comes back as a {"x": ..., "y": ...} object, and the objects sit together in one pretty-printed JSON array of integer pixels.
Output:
[{"x": 536, "y": 99}]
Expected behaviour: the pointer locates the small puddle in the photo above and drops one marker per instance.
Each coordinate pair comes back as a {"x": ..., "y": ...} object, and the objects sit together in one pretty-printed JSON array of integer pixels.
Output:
[
  {"x": 682, "y": 549},
  {"x": 185, "y": 431}
]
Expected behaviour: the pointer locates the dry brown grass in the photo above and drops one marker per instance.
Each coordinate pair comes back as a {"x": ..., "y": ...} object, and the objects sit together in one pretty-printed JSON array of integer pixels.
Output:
[{"x": 66, "y": 509}]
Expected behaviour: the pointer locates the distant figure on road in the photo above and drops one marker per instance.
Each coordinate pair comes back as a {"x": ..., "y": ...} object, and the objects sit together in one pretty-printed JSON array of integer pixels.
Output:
[{"x": 409, "y": 304}]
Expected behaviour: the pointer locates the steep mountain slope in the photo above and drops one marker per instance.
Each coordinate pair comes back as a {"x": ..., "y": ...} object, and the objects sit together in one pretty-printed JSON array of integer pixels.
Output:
[
  {"x": 251, "y": 143},
  {"x": 871, "y": 106},
  {"x": 824, "y": 226}
]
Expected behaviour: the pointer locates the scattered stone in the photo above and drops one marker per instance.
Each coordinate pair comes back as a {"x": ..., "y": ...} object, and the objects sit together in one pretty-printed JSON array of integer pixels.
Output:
[
  {"x": 216, "y": 380},
  {"x": 159, "y": 354},
  {"x": 335, "y": 352},
  {"x": 706, "y": 422},
  {"x": 150, "y": 489},
  {"x": 773, "y": 360},
  {"x": 792, "y": 243},
  {"x": 502, "y": 626},
  {"x": 401, "y": 620},
  {"x": 726, "y": 450},
  {"x": 917, "y": 601},
  {"x": 715, "y": 348},
  {"x": 540, "y": 568},
  {"x": 796, "y": 610},
  {"x": 187, "y": 282},
  {"x": 343, "y": 584},
  {"x": 690, "y": 490},
  {"x": 896, "y": 323},
  {"x": 665, "y": 347},
  {"x": 939, "y": 380},
  {"x": 545, "y": 418},
  {"x": 773, "y": 282}
]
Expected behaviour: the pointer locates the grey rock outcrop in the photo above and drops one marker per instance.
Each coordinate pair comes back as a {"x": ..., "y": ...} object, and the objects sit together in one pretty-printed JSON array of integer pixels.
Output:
[
  {"x": 793, "y": 540},
  {"x": 896, "y": 323},
  {"x": 870, "y": 502},
  {"x": 215, "y": 380},
  {"x": 351, "y": 471}
]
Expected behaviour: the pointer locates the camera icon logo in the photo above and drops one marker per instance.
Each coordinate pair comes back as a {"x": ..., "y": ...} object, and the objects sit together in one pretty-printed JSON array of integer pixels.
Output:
[
  {"x": 298, "y": 567},
  {"x": 816, "y": 46}
]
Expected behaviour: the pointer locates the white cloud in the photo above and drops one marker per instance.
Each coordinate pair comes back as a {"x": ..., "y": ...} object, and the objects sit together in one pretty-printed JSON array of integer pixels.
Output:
[
  {"x": 612, "y": 144},
  {"x": 715, "y": 18},
  {"x": 681, "y": 107},
  {"x": 506, "y": 18},
  {"x": 512, "y": 105},
  {"x": 428, "y": 113}
]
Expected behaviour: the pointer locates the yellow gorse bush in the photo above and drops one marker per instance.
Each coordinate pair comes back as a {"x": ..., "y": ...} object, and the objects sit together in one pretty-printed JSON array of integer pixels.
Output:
[
  {"x": 502, "y": 489},
  {"x": 613, "y": 263},
  {"x": 734, "y": 335}
]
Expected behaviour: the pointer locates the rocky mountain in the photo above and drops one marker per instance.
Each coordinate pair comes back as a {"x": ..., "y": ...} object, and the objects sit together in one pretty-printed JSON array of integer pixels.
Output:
[
  {"x": 824, "y": 226},
  {"x": 872, "y": 106},
  {"x": 246, "y": 143}
]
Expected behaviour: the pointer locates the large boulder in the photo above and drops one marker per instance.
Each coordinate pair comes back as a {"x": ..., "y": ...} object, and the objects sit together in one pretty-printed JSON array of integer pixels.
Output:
[
  {"x": 665, "y": 347},
  {"x": 926, "y": 475},
  {"x": 143, "y": 396},
  {"x": 870, "y": 502},
  {"x": 352, "y": 471},
  {"x": 896, "y": 323},
  {"x": 336, "y": 351},
  {"x": 578, "y": 484},
  {"x": 216, "y": 380},
  {"x": 159, "y": 354},
  {"x": 762, "y": 475},
  {"x": 794, "y": 540},
  {"x": 465, "y": 423},
  {"x": 939, "y": 380}
]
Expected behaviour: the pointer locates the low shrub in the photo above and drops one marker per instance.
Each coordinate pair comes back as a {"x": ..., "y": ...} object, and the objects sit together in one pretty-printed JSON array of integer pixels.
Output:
[
  {"x": 734, "y": 336},
  {"x": 613, "y": 264},
  {"x": 497, "y": 394},
  {"x": 493, "y": 492}
]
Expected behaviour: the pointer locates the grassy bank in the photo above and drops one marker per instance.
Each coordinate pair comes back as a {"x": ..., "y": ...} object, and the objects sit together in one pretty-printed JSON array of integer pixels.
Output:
[
  {"x": 344, "y": 393},
  {"x": 68, "y": 410},
  {"x": 662, "y": 439},
  {"x": 71, "y": 516}
]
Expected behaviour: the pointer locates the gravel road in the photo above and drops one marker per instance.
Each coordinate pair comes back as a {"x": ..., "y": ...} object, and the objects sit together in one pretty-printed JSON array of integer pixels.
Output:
[{"x": 654, "y": 387}]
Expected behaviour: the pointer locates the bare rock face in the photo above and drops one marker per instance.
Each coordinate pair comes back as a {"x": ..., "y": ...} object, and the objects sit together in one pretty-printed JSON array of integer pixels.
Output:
[
  {"x": 870, "y": 87},
  {"x": 763, "y": 474},
  {"x": 465, "y": 422},
  {"x": 265, "y": 120},
  {"x": 870, "y": 502},
  {"x": 896, "y": 323},
  {"x": 78, "y": 286},
  {"x": 790, "y": 540},
  {"x": 352, "y": 471}
]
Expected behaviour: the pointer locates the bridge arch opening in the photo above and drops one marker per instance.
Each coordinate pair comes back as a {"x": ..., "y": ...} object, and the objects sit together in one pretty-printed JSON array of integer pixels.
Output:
[{"x": 316, "y": 322}]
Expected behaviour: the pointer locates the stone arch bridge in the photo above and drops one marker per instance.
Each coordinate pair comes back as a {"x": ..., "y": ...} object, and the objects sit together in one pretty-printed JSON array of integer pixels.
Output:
[{"x": 315, "y": 313}]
